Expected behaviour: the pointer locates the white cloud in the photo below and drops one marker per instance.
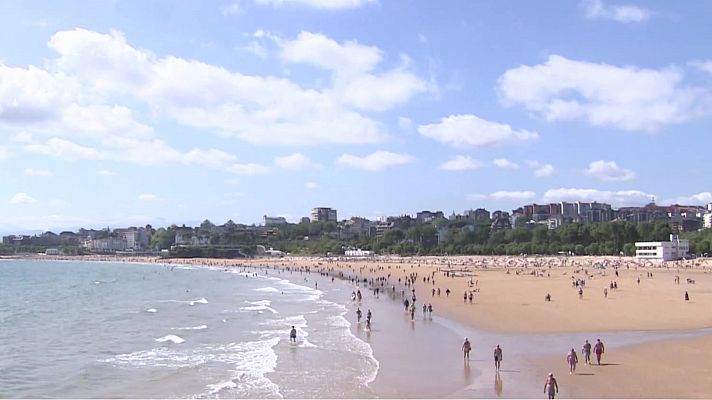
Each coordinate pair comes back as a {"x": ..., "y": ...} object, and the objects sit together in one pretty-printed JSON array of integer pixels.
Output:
[
  {"x": 704, "y": 66},
  {"x": 701, "y": 198},
  {"x": 22, "y": 137},
  {"x": 504, "y": 163},
  {"x": 311, "y": 185},
  {"x": 461, "y": 163},
  {"x": 247, "y": 169},
  {"x": 210, "y": 158},
  {"x": 148, "y": 197},
  {"x": 65, "y": 149},
  {"x": 597, "y": 9},
  {"x": 472, "y": 131},
  {"x": 609, "y": 171},
  {"x": 542, "y": 170},
  {"x": 545, "y": 171},
  {"x": 319, "y": 4},
  {"x": 37, "y": 172},
  {"x": 22, "y": 198},
  {"x": 3, "y": 153},
  {"x": 354, "y": 83},
  {"x": 294, "y": 161},
  {"x": 104, "y": 172},
  {"x": 619, "y": 198},
  {"x": 628, "y": 98},
  {"x": 376, "y": 161}
]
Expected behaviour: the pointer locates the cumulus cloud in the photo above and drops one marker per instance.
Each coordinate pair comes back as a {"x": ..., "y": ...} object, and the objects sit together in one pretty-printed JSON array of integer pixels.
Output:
[
  {"x": 247, "y": 169},
  {"x": 504, "y": 163},
  {"x": 37, "y": 172},
  {"x": 22, "y": 198},
  {"x": 352, "y": 64},
  {"x": 627, "y": 13},
  {"x": 628, "y": 98},
  {"x": 376, "y": 161},
  {"x": 68, "y": 110},
  {"x": 609, "y": 171},
  {"x": 461, "y": 163},
  {"x": 472, "y": 131},
  {"x": 542, "y": 170},
  {"x": 619, "y": 198},
  {"x": 318, "y": 4},
  {"x": 701, "y": 198},
  {"x": 294, "y": 161}
]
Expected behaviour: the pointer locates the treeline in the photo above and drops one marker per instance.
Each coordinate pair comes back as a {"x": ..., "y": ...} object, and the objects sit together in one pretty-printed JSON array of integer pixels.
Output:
[{"x": 476, "y": 238}]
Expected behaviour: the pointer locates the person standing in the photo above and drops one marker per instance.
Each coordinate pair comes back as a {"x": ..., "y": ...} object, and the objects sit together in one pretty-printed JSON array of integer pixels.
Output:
[
  {"x": 497, "y": 357},
  {"x": 586, "y": 350},
  {"x": 572, "y": 359},
  {"x": 466, "y": 347},
  {"x": 358, "y": 315},
  {"x": 599, "y": 350},
  {"x": 293, "y": 335},
  {"x": 551, "y": 388}
]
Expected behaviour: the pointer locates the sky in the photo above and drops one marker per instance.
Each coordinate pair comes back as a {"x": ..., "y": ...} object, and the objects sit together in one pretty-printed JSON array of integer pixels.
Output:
[{"x": 121, "y": 113}]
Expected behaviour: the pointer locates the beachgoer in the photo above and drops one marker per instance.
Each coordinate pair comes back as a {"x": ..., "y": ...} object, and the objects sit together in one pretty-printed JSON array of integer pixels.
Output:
[
  {"x": 497, "y": 357},
  {"x": 599, "y": 350},
  {"x": 586, "y": 351},
  {"x": 580, "y": 292},
  {"x": 687, "y": 296},
  {"x": 605, "y": 292},
  {"x": 358, "y": 315},
  {"x": 425, "y": 309},
  {"x": 551, "y": 388},
  {"x": 466, "y": 347},
  {"x": 430, "y": 309},
  {"x": 368, "y": 325},
  {"x": 572, "y": 359},
  {"x": 465, "y": 296},
  {"x": 547, "y": 297},
  {"x": 368, "y": 316},
  {"x": 293, "y": 335}
]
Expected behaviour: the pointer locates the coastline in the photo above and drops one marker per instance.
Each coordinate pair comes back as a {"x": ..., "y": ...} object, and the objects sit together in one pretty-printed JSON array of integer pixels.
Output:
[{"x": 509, "y": 309}]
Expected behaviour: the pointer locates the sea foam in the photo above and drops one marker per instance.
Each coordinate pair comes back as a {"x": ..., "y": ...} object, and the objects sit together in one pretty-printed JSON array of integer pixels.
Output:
[{"x": 171, "y": 338}]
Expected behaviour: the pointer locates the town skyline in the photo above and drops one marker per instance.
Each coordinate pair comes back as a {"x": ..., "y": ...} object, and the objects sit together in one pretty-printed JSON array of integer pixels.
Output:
[{"x": 122, "y": 113}]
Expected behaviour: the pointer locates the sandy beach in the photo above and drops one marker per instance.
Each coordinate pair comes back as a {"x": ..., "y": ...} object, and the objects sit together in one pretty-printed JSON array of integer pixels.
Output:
[{"x": 656, "y": 341}]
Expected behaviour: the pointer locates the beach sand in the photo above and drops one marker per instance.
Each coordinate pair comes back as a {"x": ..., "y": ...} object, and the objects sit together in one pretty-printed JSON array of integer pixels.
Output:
[{"x": 657, "y": 343}]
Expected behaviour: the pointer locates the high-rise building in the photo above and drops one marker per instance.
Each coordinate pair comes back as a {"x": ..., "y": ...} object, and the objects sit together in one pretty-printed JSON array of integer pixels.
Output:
[{"x": 323, "y": 214}]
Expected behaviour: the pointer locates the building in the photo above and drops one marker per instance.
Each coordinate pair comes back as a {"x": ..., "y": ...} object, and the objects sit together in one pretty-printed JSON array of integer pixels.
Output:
[
  {"x": 323, "y": 214},
  {"x": 424, "y": 217},
  {"x": 707, "y": 219},
  {"x": 379, "y": 229},
  {"x": 305, "y": 220},
  {"x": 274, "y": 221},
  {"x": 106, "y": 245},
  {"x": 675, "y": 249},
  {"x": 500, "y": 220},
  {"x": 354, "y": 228},
  {"x": 357, "y": 253}
]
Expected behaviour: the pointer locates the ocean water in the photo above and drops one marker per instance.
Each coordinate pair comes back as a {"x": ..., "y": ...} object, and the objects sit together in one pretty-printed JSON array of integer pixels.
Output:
[{"x": 80, "y": 329}]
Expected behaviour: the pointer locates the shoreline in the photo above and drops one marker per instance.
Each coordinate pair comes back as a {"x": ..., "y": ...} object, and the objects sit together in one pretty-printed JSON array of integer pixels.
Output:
[{"x": 671, "y": 342}]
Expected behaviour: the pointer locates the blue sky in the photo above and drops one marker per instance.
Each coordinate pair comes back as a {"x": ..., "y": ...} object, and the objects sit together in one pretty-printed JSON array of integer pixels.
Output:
[{"x": 129, "y": 112}]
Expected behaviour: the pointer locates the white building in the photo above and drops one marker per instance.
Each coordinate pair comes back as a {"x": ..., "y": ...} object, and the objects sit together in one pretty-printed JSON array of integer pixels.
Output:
[
  {"x": 357, "y": 253},
  {"x": 707, "y": 220},
  {"x": 675, "y": 249}
]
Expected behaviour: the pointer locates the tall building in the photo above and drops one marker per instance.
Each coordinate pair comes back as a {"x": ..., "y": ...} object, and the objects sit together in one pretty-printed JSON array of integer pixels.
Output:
[
  {"x": 424, "y": 217},
  {"x": 323, "y": 214},
  {"x": 274, "y": 221}
]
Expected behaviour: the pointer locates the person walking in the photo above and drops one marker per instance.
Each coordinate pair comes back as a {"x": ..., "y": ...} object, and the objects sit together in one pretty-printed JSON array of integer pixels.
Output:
[
  {"x": 466, "y": 347},
  {"x": 497, "y": 357},
  {"x": 599, "y": 350},
  {"x": 551, "y": 388},
  {"x": 586, "y": 351},
  {"x": 572, "y": 359},
  {"x": 358, "y": 315}
]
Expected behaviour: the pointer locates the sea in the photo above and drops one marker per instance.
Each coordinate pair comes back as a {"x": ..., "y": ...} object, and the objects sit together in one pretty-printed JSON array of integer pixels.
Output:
[{"x": 124, "y": 330}]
